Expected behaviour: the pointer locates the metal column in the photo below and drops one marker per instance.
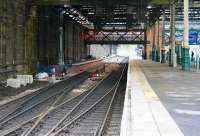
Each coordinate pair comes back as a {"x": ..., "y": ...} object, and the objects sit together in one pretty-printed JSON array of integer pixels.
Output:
[
  {"x": 172, "y": 33},
  {"x": 2, "y": 25},
  {"x": 145, "y": 45},
  {"x": 163, "y": 39},
  {"x": 158, "y": 42},
  {"x": 154, "y": 47},
  {"x": 61, "y": 54},
  {"x": 185, "y": 49}
]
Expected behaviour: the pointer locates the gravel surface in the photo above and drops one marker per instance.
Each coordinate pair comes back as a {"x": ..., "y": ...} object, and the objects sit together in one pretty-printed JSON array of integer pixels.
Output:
[{"x": 9, "y": 93}]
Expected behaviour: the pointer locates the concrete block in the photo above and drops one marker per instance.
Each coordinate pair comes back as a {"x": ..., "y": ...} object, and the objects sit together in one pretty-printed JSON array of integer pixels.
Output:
[{"x": 15, "y": 83}]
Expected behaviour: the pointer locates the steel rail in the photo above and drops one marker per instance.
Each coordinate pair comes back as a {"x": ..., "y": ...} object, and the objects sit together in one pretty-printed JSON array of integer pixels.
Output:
[
  {"x": 11, "y": 106},
  {"x": 54, "y": 108},
  {"x": 41, "y": 116},
  {"x": 81, "y": 114},
  {"x": 30, "y": 113},
  {"x": 114, "y": 88},
  {"x": 67, "y": 116},
  {"x": 49, "y": 89},
  {"x": 10, "y": 131},
  {"x": 69, "y": 112},
  {"x": 99, "y": 133},
  {"x": 33, "y": 108},
  {"x": 24, "y": 106}
]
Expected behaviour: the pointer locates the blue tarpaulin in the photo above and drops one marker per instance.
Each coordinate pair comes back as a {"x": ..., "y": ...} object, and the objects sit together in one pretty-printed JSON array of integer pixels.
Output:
[
  {"x": 49, "y": 68},
  {"x": 193, "y": 37}
]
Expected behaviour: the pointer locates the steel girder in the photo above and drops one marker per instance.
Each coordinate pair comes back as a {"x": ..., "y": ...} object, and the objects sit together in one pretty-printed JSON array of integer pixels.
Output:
[{"x": 134, "y": 36}]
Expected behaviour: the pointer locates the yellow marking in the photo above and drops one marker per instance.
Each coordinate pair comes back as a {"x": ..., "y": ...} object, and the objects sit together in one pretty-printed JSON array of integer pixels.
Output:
[{"x": 146, "y": 87}]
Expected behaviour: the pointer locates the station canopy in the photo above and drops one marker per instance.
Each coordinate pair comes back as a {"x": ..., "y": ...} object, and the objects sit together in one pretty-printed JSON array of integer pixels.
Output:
[{"x": 121, "y": 13}]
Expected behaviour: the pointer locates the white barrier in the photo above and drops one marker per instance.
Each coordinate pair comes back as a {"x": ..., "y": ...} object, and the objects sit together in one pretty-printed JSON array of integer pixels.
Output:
[
  {"x": 20, "y": 80},
  {"x": 15, "y": 83}
]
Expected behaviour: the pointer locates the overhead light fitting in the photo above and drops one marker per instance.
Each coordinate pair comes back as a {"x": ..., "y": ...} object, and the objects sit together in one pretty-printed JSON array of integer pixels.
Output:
[
  {"x": 66, "y": 6},
  {"x": 149, "y": 7},
  {"x": 77, "y": 16}
]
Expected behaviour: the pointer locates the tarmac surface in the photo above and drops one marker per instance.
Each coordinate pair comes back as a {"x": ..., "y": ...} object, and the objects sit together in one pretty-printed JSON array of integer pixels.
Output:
[
  {"x": 144, "y": 114},
  {"x": 179, "y": 92}
]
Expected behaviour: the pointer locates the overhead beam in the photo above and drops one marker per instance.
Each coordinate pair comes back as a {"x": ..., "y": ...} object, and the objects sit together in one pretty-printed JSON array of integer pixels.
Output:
[
  {"x": 160, "y": 2},
  {"x": 118, "y": 42},
  {"x": 89, "y": 2},
  {"x": 172, "y": 33}
]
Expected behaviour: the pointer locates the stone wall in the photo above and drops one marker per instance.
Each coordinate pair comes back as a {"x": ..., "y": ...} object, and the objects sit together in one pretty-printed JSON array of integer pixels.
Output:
[
  {"x": 29, "y": 34},
  {"x": 12, "y": 35}
]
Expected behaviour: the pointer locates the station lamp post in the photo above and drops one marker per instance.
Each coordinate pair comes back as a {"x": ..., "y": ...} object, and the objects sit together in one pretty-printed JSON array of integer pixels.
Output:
[
  {"x": 172, "y": 34},
  {"x": 185, "y": 48},
  {"x": 61, "y": 53},
  {"x": 163, "y": 38}
]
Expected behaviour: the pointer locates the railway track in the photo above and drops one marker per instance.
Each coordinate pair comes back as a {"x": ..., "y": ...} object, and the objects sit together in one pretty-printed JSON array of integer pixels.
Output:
[
  {"x": 10, "y": 107},
  {"x": 92, "y": 121},
  {"x": 95, "y": 112},
  {"x": 30, "y": 109},
  {"x": 39, "y": 96},
  {"x": 54, "y": 120},
  {"x": 112, "y": 121},
  {"x": 60, "y": 109}
]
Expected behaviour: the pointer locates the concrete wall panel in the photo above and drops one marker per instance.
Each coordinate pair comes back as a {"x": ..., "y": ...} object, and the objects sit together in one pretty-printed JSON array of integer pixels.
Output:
[
  {"x": 97, "y": 50},
  {"x": 12, "y": 31}
]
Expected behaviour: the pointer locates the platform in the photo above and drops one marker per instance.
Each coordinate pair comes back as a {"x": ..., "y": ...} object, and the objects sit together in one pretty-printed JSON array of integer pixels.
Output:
[
  {"x": 179, "y": 91},
  {"x": 86, "y": 62},
  {"x": 84, "y": 66},
  {"x": 144, "y": 114}
]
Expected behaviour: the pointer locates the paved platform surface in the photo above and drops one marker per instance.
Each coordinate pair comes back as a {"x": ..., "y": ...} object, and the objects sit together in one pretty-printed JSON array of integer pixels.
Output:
[
  {"x": 86, "y": 62},
  {"x": 144, "y": 114},
  {"x": 85, "y": 66},
  {"x": 179, "y": 91}
]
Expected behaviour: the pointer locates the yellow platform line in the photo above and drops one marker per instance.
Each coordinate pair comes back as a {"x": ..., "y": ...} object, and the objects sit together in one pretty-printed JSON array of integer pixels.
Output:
[
  {"x": 147, "y": 89},
  {"x": 144, "y": 114},
  {"x": 164, "y": 122}
]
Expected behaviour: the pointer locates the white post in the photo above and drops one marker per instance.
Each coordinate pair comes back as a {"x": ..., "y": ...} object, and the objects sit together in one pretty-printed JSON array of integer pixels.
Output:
[
  {"x": 61, "y": 61},
  {"x": 172, "y": 33},
  {"x": 186, "y": 24},
  {"x": 163, "y": 27},
  {"x": 197, "y": 63},
  {"x": 186, "y": 56},
  {"x": 61, "y": 53}
]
